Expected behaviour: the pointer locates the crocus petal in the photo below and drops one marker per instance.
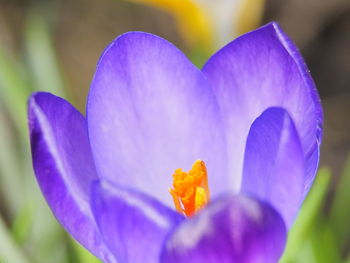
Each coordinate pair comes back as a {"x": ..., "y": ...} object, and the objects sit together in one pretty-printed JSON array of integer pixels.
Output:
[
  {"x": 258, "y": 70},
  {"x": 149, "y": 112},
  {"x": 132, "y": 224},
  {"x": 233, "y": 229},
  {"x": 274, "y": 165},
  {"x": 64, "y": 167}
]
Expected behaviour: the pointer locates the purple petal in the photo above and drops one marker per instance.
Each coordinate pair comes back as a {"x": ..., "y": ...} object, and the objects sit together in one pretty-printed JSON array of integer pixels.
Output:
[
  {"x": 150, "y": 111},
  {"x": 234, "y": 229},
  {"x": 64, "y": 167},
  {"x": 132, "y": 224},
  {"x": 258, "y": 70},
  {"x": 274, "y": 165}
]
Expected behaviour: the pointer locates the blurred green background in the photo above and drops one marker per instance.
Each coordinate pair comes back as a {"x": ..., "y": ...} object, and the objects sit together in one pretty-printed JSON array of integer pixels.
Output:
[{"x": 53, "y": 45}]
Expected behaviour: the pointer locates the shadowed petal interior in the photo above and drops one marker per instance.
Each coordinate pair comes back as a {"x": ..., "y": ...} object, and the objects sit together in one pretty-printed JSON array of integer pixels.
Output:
[
  {"x": 274, "y": 163},
  {"x": 230, "y": 230}
]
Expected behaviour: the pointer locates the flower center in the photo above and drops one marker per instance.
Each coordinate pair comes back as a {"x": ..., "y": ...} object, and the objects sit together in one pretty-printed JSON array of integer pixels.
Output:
[{"x": 190, "y": 189}]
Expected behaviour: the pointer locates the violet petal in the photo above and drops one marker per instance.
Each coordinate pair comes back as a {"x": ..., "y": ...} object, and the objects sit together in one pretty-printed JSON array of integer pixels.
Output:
[
  {"x": 229, "y": 230},
  {"x": 149, "y": 112},
  {"x": 132, "y": 224},
  {"x": 274, "y": 164},
  {"x": 258, "y": 70},
  {"x": 64, "y": 167}
]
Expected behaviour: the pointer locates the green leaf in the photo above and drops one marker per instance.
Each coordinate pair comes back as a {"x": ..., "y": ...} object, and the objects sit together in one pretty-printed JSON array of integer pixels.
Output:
[
  {"x": 42, "y": 58},
  {"x": 81, "y": 254},
  {"x": 10, "y": 168},
  {"x": 305, "y": 254},
  {"x": 22, "y": 224},
  {"x": 340, "y": 212},
  {"x": 9, "y": 251},
  {"x": 198, "y": 57},
  {"x": 14, "y": 90},
  {"x": 323, "y": 242},
  {"x": 307, "y": 216}
]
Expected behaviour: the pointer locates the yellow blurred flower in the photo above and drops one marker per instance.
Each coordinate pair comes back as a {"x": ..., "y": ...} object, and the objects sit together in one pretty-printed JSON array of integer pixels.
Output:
[{"x": 209, "y": 24}]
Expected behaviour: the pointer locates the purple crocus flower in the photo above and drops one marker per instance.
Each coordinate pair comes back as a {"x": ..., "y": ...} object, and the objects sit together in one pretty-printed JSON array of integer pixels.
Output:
[{"x": 252, "y": 114}]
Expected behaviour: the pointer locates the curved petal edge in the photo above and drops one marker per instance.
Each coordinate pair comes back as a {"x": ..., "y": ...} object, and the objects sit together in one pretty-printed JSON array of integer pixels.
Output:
[
  {"x": 133, "y": 225},
  {"x": 274, "y": 163},
  {"x": 149, "y": 112},
  {"x": 258, "y": 70},
  {"x": 59, "y": 144},
  {"x": 231, "y": 229}
]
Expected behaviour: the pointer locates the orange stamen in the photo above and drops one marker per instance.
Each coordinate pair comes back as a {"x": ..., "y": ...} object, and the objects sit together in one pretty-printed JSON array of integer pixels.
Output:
[{"x": 190, "y": 190}]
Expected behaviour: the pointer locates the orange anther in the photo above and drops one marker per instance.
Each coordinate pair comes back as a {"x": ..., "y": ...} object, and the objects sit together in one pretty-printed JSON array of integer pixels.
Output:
[{"x": 190, "y": 190}]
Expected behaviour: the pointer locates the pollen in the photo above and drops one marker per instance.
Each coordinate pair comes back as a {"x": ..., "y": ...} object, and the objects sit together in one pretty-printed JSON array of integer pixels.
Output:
[{"x": 190, "y": 190}]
